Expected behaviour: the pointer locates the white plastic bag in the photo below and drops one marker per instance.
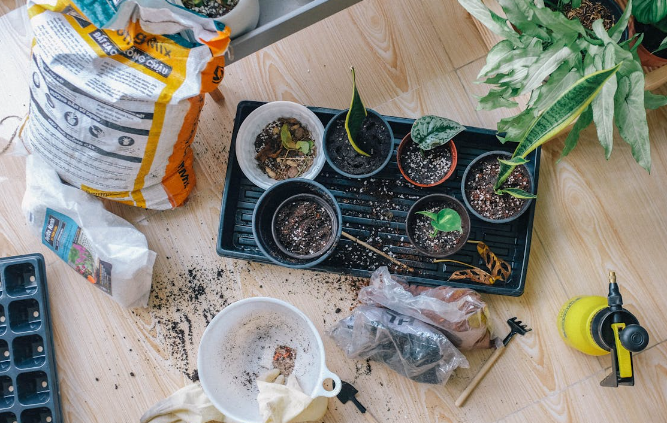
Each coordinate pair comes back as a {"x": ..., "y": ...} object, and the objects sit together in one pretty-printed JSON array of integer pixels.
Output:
[{"x": 107, "y": 250}]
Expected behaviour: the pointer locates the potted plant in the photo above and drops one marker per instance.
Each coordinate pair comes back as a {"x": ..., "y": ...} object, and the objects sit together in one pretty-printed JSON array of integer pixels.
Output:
[
  {"x": 427, "y": 155},
  {"x": 240, "y": 16},
  {"x": 304, "y": 226},
  {"x": 651, "y": 21},
  {"x": 438, "y": 225},
  {"x": 358, "y": 142},
  {"x": 297, "y": 223},
  {"x": 548, "y": 54}
]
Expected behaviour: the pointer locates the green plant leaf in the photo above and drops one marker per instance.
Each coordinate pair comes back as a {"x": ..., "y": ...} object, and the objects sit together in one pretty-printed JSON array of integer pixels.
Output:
[
  {"x": 491, "y": 20},
  {"x": 566, "y": 75},
  {"x": 650, "y": 11},
  {"x": 568, "y": 30},
  {"x": 305, "y": 146},
  {"x": 516, "y": 126},
  {"x": 631, "y": 117},
  {"x": 654, "y": 101},
  {"x": 616, "y": 31},
  {"x": 496, "y": 99},
  {"x": 429, "y": 214},
  {"x": 520, "y": 13},
  {"x": 603, "y": 104},
  {"x": 286, "y": 137},
  {"x": 557, "y": 116},
  {"x": 662, "y": 46},
  {"x": 514, "y": 161},
  {"x": 516, "y": 192},
  {"x": 583, "y": 122},
  {"x": 448, "y": 220},
  {"x": 355, "y": 117},
  {"x": 432, "y": 131},
  {"x": 552, "y": 58}
]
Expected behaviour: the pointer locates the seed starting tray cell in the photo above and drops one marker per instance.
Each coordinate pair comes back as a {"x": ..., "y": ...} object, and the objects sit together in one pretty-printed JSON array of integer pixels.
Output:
[
  {"x": 28, "y": 383},
  {"x": 374, "y": 210}
]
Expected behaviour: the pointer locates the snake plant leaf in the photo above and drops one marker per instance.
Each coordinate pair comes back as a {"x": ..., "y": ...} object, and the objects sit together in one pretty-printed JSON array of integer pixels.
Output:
[
  {"x": 286, "y": 138},
  {"x": 631, "y": 117},
  {"x": 355, "y": 117},
  {"x": 603, "y": 104},
  {"x": 650, "y": 11},
  {"x": 584, "y": 121},
  {"x": 516, "y": 192},
  {"x": 432, "y": 131},
  {"x": 559, "y": 115},
  {"x": 514, "y": 161},
  {"x": 654, "y": 101}
]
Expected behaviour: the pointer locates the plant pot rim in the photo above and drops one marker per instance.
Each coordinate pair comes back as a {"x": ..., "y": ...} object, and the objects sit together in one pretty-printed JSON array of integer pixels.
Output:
[
  {"x": 327, "y": 130},
  {"x": 456, "y": 205},
  {"x": 301, "y": 264},
  {"x": 450, "y": 172},
  {"x": 526, "y": 205},
  {"x": 306, "y": 197},
  {"x": 647, "y": 58}
]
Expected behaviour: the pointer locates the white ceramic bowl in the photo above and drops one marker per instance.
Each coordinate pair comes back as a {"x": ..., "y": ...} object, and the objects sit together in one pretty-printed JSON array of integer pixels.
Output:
[
  {"x": 242, "y": 18},
  {"x": 257, "y": 121},
  {"x": 239, "y": 344}
]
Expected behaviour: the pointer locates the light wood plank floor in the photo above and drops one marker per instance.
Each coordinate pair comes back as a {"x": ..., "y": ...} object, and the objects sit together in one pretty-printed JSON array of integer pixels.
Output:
[{"x": 412, "y": 58}]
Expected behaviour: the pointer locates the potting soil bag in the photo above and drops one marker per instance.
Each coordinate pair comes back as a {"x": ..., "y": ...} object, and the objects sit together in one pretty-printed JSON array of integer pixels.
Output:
[
  {"x": 116, "y": 91},
  {"x": 407, "y": 345},
  {"x": 104, "y": 249}
]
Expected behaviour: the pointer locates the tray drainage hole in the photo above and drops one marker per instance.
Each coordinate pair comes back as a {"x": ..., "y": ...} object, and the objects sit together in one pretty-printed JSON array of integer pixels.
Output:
[
  {"x": 6, "y": 392},
  {"x": 20, "y": 279},
  {"x": 4, "y": 357},
  {"x": 36, "y": 415},
  {"x": 8, "y": 418},
  {"x": 28, "y": 352},
  {"x": 24, "y": 315},
  {"x": 31, "y": 388}
]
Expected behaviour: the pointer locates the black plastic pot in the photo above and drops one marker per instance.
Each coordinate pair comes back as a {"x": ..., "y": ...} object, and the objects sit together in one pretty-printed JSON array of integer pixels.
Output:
[
  {"x": 270, "y": 201},
  {"x": 446, "y": 201},
  {"x": 504, "y": 154},
  {"x": 327, "y": 154},
  {"x": 314, "y": 199}
]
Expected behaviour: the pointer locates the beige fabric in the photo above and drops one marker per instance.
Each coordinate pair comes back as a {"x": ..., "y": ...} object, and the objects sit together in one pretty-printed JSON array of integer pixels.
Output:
[
  {"x": 187, "y": 405},
  {"x": 287, "y": 403}
]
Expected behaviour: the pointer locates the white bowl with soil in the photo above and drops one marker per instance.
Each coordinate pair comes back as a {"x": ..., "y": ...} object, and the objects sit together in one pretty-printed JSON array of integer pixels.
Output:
[
  {"x": 375, "y": 136},
  {"x": 304, "y": 226},
  {"x": 293, "y": 252},
  {"x": 260, "y": 152},
  {"x": 479, "y": 196},
  {"x": 239, "y": 344},
  {"x": 420, "y": 231},
  {"x": 240, "y": 16},
  {"x": 426, "y": 168}
]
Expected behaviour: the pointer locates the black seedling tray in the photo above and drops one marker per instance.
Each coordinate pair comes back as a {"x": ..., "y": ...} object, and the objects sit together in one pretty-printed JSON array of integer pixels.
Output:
[
  {"x": 28, "y": 383},
  {"x": 374, "y": 210}
]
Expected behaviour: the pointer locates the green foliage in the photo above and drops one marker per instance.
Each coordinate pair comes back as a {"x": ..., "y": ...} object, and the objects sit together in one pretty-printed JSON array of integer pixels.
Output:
[
  {"x": 355, "y": 117},
  {"x": 548, "y": 54},
  {"x": 446, "y": 220},
  {"x": 305, "y": 146},
  {"x": 650, "y": 11},
  {"x": 432, "y": 131}
]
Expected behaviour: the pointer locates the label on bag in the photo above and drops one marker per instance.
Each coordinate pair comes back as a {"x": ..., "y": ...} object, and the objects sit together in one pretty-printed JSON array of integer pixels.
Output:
[{"x": 65, "y": 238}]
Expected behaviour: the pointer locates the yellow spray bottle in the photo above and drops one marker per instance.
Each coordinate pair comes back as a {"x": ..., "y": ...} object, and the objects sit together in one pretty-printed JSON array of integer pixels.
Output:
[{"x": 598, "y": 325}]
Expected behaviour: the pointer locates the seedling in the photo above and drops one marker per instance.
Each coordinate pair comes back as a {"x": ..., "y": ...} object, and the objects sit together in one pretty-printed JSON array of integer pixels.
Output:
[
  {"x": 446, "y": 220},
  {"x": 355, "y": 117},
  {"x": 305, "y": 146}
]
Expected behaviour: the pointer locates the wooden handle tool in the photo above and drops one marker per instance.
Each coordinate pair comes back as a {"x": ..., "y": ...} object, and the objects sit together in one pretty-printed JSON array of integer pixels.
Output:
[{"x": 480, "y": 375}]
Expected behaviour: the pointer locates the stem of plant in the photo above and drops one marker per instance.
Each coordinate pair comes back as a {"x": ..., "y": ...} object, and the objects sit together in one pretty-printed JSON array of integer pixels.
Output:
[{"x": 375, "y": 250}]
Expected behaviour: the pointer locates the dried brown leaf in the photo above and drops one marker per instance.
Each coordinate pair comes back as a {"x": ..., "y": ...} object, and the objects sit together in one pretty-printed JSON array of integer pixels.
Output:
[
  {"x": 498, "y": 267},
  {"x": 476, "y": 275}
]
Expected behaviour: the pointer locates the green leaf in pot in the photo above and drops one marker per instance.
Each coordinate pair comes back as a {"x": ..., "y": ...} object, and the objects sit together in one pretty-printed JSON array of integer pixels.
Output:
[
  {"x": 305, "y": 146},
  {"x": 446, "y": 220},
  {"x": 355, "y": 117},
  {"x": 516, "y": 192},
  {"x": 286, "y": 138},
  {"x": 432, "y": 131}
]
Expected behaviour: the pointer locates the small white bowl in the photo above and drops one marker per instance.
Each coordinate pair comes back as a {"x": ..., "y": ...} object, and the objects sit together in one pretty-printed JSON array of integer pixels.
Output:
[
  {"x": 257, "y": 121},
  {"x": 238, "y": 345}
]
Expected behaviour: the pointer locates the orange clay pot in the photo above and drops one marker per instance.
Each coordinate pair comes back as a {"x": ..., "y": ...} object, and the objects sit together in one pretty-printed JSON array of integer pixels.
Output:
[{"x": 401, "y": 147}]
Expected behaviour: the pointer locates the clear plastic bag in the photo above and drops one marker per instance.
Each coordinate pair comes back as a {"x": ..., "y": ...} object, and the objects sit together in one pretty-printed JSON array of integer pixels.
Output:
[
  {"x": 407, "y": 345},
  {"x": 460, "y": 313}
]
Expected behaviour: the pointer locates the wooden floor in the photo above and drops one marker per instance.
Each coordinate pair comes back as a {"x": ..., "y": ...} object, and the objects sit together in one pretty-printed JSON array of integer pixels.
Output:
[{"x": 412, "y": 58}]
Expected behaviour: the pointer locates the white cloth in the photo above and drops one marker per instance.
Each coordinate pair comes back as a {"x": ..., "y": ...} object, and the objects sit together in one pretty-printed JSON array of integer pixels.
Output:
[
  {"x": 187, "y": 405},
  {"x": 288, "y": 403}
]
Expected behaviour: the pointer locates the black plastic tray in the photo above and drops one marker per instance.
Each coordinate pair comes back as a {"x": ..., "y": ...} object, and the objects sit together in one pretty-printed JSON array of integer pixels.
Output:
[
  {"x": 28, "y": 382},
  {"x": 374, "y": 210}
]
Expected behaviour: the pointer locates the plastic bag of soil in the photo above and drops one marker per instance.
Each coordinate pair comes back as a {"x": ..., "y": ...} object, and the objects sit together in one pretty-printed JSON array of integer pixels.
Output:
[
  {"x": 460, "y": 313},
  {"x": 408, "y": 346}
]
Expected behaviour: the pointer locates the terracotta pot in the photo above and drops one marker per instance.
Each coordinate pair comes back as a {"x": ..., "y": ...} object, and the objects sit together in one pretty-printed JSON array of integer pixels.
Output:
[
  {"x": 408, "y": 139},
  {"x": 648, "y": 59}
]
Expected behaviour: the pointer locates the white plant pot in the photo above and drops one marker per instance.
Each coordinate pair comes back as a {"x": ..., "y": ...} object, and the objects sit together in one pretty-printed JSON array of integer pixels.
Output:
[
  {"x": 239, "y": 343},
  {"x": 242, "y": 18},
  {"x": 257, "y": 121}
]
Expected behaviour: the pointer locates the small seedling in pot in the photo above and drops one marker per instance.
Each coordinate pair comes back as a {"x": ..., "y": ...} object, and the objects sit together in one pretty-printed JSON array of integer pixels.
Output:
[
  {"x": 446, "y": 220},
  {"x": 285, "y": 149},
  {"x": 429, "y": 132},
  {"x": 305, "y": 146}
]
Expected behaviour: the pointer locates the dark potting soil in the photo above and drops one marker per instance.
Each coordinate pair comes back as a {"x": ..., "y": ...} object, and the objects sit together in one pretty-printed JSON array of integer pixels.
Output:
[
  {"x": 480, "y": 193},
  {"x": 426, "y": 166},
  {"x": 211, "y": 8},
  {"x": 589, "y": 12},
  {"x": 443, "y": 241},
  {"x": 652, "y": 38},
  {"x": 374, "y": 137},
  {"x": 304, "y": 227},
  {"x": 274, "y": 159}
]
